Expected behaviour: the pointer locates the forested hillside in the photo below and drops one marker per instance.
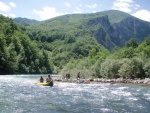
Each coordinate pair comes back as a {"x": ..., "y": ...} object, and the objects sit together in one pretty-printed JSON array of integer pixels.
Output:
[
  {"x": 18, "y": 54},
  {"x": 110, "y": 28},
  {"x": 108, "y": 44},
  {"x": 25, "y": 21}
]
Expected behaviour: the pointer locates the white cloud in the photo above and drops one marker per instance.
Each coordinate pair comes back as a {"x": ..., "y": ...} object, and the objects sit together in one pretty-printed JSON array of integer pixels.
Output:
[
  {"x": 12, "y": 15},
  {"x": 94, "y": 11},
  {"x": 125, "y": 5},
  {"x": 91, "y": 6},
  {"x": 47, "y": 13},
  {"x": 9, "y": 15},
  {"x": 136, "y": 6},
  {"x": 80, "y": 5},
  {"x": 4, "y": 14},
  {"x": 4, "y": 7},
  {"x": 129, "y": 1},
  {"x": 68, "y": 5},
  {"x": 77, "y": 10},
  {"x": 12, "y": 4},
  {"x": 143, "y": 14}
]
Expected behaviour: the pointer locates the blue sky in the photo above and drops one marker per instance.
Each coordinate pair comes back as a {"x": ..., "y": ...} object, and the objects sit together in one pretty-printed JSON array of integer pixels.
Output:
[{"x": 46, "y": 9}]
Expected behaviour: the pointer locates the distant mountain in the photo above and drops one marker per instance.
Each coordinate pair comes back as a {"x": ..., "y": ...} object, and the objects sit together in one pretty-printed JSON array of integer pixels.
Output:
[
  {"x": 119, "y": 27},
  {"x": 25, "y": 21},
  {"x": 110, "y": 28}
]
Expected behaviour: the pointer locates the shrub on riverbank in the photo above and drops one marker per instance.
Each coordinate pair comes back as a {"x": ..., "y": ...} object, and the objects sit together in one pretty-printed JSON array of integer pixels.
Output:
[{"x": 127, "y": 62}]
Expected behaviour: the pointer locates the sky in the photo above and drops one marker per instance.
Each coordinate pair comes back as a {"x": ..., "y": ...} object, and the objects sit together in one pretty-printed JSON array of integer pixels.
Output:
[{"x": 46, "y": 9}]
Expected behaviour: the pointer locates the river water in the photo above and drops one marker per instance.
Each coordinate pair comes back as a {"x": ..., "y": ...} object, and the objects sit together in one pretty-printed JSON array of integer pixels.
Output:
[{"x": 20, "y": 94}]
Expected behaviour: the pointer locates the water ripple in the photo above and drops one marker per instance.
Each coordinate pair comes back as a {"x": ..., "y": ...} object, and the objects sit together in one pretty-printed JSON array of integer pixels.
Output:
[{"x": 20, "y": 94}]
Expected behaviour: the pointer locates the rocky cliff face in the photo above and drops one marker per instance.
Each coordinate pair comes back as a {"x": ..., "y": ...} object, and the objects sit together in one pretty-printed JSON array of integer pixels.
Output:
[
  {"x": 103, "y": 31},
  {"x": 131, "y": 28},
  {"x": 117, "y": 34}
]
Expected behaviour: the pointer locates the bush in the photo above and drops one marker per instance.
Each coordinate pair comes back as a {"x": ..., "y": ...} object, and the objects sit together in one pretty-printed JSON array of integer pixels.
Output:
[
  {"x": 109, "y": 68},
  {"x": 131, "y": 68},
  {"x": 146, "y": 68}
]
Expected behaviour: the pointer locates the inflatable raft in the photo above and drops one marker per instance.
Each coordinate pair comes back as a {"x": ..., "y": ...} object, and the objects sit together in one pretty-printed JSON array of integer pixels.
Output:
[{"x": 45, "y": 83}]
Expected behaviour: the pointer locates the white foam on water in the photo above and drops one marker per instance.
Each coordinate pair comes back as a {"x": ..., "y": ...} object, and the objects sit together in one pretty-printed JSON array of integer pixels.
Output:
[
  {"x": 105, "y": 110},
  {"x": 62, "y": 84},
  {"x": 122, "y": 88},
  {"x": 122, "y": 93},
  {"x": 133, "y": 98},
  {"x": 94, "y": 97},
  {"x": 147, "y": 96}
]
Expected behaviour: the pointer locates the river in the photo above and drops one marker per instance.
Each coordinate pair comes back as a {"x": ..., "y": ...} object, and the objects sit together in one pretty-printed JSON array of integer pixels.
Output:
[{"x": 20, "y": 94}]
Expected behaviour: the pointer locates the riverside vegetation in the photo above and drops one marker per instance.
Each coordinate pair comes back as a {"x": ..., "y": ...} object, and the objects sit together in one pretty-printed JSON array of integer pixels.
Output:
[{"x": 96, "y": 45}]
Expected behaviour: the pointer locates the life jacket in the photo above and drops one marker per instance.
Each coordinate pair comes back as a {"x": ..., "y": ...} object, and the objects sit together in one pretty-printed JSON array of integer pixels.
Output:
[{"x": 48, "y": 79}]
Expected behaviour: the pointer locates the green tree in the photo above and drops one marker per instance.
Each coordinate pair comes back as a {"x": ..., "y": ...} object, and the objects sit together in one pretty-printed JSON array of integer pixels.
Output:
[
  {"x": 147, "y": 40},
  {"x": 146, "y": 68},
  {"x": 131, "y": 68},
  {"x": 132, "y": 43},
  {"x": 109, "y": 68}
]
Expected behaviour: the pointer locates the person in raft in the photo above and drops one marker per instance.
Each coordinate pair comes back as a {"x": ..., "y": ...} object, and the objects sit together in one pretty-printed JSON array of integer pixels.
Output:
[
  {"x": 41, "y": 79},
  {"x": 49, "y": 79}
]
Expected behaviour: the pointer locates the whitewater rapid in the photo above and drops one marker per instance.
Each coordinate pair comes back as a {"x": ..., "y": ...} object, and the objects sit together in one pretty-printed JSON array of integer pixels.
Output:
[{"x": 20, "y": 94}]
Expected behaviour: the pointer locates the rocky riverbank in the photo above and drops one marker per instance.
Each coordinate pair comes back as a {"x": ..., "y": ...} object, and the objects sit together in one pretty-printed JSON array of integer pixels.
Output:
[{"x": 101, "y": 80}]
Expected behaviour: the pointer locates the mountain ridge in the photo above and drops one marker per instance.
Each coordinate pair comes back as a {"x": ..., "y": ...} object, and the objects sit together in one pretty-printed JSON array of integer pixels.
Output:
[
  {"x": 110, "y": 28},
  {"x": 25, "y": 21}
]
